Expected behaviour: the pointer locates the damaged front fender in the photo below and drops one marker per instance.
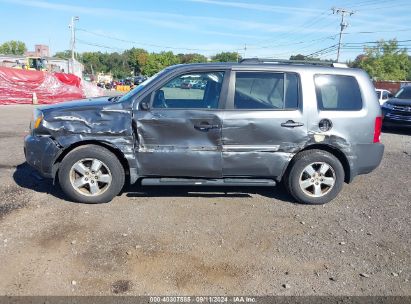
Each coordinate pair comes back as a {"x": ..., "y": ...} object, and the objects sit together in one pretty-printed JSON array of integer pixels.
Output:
[{"x": 100, "y": 121}]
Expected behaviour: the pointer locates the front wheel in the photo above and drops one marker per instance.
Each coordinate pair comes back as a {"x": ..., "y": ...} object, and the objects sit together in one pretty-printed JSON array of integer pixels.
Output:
[
  {"x": 315, "y": 177},
  {"x": 91, "y": 174}
]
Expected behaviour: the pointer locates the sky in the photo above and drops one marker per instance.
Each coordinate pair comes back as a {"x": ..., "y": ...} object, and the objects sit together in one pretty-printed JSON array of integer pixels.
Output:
[{"x": 260, "y": 28}]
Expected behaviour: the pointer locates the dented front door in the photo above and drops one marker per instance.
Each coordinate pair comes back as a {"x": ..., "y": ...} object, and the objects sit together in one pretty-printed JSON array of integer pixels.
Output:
[{"x": 179, "y": 143}]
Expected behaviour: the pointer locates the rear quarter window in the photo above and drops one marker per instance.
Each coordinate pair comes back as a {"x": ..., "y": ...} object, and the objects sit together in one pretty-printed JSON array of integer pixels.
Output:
[{"x": 337, "y": 93}]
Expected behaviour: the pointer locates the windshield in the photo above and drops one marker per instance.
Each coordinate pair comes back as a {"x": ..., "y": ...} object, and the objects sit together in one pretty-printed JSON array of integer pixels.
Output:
[
  {"x": 404, "y": 93},
  {"x": 141, "y": 86}
]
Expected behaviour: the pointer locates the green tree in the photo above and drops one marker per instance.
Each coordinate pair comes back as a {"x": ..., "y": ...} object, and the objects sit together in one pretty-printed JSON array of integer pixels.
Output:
[
  {"x": 13, "y": 47},
  {"x": 92, "y": 62},
  {"x": 409, "y": 70},
  {"x": 298, "y": 57},
  {"x": 63, "y": 55},
  {"x": 97, "y": 62},
  {"x": 307, "y": 58},
  {"x": 158, "y": 61},
  {"x": 137, "y": 59},
  {"x": 226, "y": 57},
  {"x": 192, "y": 58},
  {"x": 385, "y": 61}
]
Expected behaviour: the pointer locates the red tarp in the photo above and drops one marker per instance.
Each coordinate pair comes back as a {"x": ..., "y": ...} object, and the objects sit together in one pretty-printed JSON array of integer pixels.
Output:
[
  {"x": 17, "y": 86},
  {"x": 69, "y": 79}
]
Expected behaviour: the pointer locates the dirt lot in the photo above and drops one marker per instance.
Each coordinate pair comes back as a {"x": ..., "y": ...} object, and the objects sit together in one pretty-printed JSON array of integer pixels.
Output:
[{"x": 196, "y": 241}]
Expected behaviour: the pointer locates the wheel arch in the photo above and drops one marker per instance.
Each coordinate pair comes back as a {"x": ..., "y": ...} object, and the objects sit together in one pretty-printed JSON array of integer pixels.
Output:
[
  {"x": 117, "y": 152},
  {"x": 330, "y": 149}
]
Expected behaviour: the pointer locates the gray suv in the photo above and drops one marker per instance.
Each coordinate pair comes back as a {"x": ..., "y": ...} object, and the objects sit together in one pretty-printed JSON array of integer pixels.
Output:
[{"x": 254, "y": 123}]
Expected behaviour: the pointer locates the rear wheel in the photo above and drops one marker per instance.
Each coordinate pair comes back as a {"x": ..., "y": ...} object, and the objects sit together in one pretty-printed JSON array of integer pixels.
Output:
[
  {"x": 91, "y": 174},
  {"x": 315, "y": 177}
]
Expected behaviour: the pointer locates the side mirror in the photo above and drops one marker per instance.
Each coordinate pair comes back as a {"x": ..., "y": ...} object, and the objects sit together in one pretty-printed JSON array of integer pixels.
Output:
[{"x": 145, "y": 104}]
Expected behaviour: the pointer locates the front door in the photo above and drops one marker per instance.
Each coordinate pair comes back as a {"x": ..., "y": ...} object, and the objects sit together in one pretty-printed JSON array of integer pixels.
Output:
[
  {"x": 180, "y": 134},
  {"x": 263, "y": 125}
]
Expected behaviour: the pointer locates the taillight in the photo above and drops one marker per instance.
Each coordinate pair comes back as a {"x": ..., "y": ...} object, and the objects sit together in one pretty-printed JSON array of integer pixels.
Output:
[{"x": 377, "y": 129}]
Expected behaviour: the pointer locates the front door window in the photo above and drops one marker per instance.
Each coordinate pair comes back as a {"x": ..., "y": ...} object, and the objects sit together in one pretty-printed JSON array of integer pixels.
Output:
[{"x": 190, "y": 91}]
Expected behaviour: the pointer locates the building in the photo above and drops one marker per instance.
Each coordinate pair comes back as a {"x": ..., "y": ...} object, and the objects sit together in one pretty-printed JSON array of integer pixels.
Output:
[
  {"x": 392, "y": 86},
  {"x": 40, "y": 50}
]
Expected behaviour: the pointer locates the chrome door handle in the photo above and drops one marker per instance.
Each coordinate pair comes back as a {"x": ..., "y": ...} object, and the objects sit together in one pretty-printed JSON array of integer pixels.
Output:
[
  {"x": 291, "y": 124},
  {"x": 205, "y": 127}
]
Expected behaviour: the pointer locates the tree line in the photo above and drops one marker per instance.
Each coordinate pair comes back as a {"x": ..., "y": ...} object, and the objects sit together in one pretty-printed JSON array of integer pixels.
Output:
[
  {"x": 386, "y": 60},
  {"x": 137, "y": 61}
]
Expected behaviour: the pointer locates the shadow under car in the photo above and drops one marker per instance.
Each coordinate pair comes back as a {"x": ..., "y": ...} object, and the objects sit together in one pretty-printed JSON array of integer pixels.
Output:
[{"x": 27, "y": 177}]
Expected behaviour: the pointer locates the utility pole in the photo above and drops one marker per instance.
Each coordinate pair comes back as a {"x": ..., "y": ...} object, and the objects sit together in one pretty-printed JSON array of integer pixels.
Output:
[
  {"x": 72, "y": 42},
  {"x": 245, "y": 52},
  {"x": 343, "y": 25},
  {"x": 73, "y": 35}
]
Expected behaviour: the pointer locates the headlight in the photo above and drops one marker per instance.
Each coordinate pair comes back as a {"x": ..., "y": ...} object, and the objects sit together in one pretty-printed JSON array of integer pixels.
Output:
[
  {"x": 37, "y": 118},
  {"x": 387, "y": 105}
]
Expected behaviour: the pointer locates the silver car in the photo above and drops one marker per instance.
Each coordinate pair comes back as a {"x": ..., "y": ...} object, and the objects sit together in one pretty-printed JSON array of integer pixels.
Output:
[{"x": 255, "y": 123}]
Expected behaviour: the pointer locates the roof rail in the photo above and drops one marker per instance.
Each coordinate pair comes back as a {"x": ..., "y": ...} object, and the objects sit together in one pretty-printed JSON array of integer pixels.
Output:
[{"x": 285, "y": 61}]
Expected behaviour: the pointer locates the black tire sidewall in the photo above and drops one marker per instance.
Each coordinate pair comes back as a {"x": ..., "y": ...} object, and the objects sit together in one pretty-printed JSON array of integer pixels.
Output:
[
  {"x": 102, "y": 154},
  {"x": 298, "y": 166}
]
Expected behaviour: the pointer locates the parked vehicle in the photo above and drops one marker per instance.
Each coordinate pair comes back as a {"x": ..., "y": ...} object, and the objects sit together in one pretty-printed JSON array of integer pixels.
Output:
[
  {"x": 397, "y": 111},
  {"x": 199, "y": 85},
  {"x": 101, "y": 85},
  {"x": 139, "y": 79},
  {"x": 174, "y": 84},
  {"x": 256, "y": 123},
  {"x": 186, "y": 85},
  {"x": 383, "y": 95},
  {"x": 128, "y": 81}
]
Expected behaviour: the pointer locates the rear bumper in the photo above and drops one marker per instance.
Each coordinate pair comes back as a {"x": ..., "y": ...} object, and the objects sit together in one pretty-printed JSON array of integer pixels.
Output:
[
  {"x": 369, "y": 157},
  {"x": 41, "y": 153}
]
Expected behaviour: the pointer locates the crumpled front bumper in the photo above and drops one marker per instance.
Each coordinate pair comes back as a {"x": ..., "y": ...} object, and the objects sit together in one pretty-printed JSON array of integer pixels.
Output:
[{"x": 41, "y": 153}]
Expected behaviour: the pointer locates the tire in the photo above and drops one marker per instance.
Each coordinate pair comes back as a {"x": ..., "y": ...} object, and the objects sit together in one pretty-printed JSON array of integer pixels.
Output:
[
  {"x": 88, "y": 167},
  {"x": 309, "y": 180}
]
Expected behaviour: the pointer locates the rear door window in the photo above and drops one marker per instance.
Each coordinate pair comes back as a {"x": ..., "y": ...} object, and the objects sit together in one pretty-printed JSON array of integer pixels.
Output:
[
  {"x": 337, "y": 93},
  {"x": 265, "y": 90}
]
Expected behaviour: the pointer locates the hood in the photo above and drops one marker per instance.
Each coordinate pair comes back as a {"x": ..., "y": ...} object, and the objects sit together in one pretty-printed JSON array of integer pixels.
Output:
[
  {"x": 399, "y": 102},
  {"x": 80, "y": 103},
  {"x": 89, "y": 118}
]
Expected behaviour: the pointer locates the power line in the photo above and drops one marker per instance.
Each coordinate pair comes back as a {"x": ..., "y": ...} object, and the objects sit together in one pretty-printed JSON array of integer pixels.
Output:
[
  {"x": 356, "y": 46},
  {"x": 296, "y": 51},
  {"x": 295, "y": 43},
  {"x": 142, "y": 43},
  {"x": 375, "y": 42},
  {"x": 327, "y": 49},
  {"x": 376, "y": 32},
  {"x": 99, "y": 45},
  {"x": 307, "y": 24},
  {"x": 369, "y": 3}
]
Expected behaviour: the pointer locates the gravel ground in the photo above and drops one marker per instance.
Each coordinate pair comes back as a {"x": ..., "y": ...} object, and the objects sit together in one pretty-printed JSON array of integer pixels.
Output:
[{"x": 198, "y": 241}]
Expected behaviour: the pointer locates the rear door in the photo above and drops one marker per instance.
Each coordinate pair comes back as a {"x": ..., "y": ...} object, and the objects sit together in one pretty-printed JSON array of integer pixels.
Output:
[
  {"x": 180, "y": 134},
  {"x": 264, "y": 123}
]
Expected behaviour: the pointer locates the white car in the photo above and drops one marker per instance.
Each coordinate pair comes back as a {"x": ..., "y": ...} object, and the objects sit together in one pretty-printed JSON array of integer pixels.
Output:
[{"x": 383, "y": 95}]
